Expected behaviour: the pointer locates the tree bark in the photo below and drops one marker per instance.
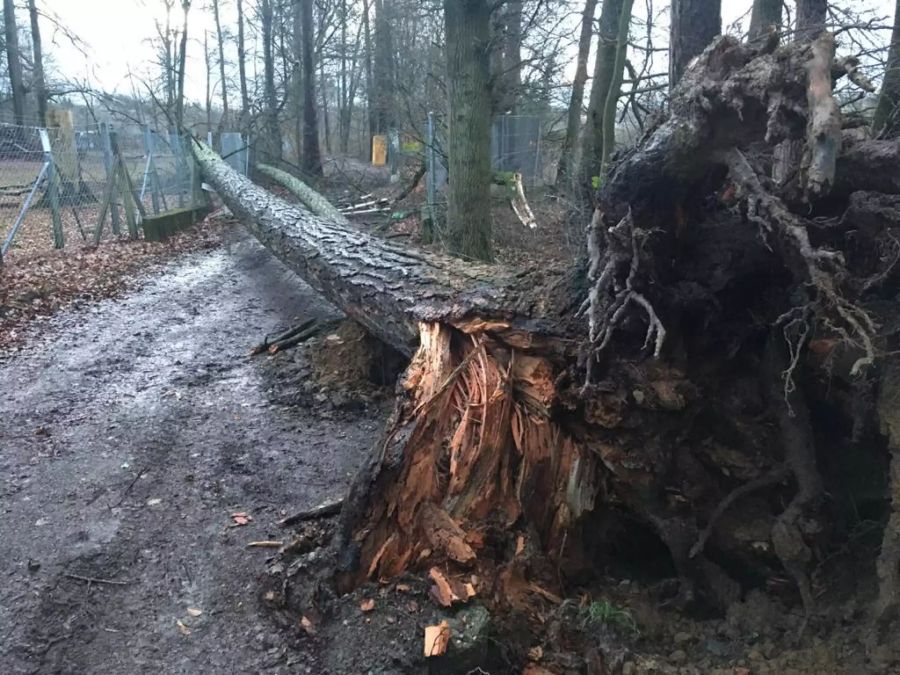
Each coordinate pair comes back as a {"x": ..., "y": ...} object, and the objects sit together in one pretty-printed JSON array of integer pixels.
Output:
[
  {"x": 576, "y": 101},
  {"x": 615, "y": 88},
  {"x": 242, "y": 66},
  {"x": 694, "y": 25},
  {"x": 765, "y": 16},
  {"x": 383, "y": 74},
  {"x": 270, "y": 148},
  {"x": 507, "y": 57},
  {"x": 887, "y": 115},
  {"x": 467, "y": 24},
  {"x": 14, "y": 61},
  {"x": 312, "y": 156},
  {"x": 182, "y": 62},
  {"x": 40, "y": 85},
  {"x": 223, "y": 121},
  {"x": 811, "y": 16},
  {"x": 385, "y": 287},
  {"x": 604, "y": 75}
]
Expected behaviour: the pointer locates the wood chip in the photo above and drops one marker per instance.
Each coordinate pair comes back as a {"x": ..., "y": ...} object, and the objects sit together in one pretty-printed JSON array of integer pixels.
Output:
[
  {"x": 437, "y": 638},
  {"x": 403, "y": 588},
  {"x": 307, "y": 625},
  {"x": 193, "y": 611},
  {"x": 182, "y": 627},
  {"x": 265, "y": 544},
  {"x": 367, "y": 605},
  {"x": 241, "y": 518},
  {"x": 441, "y": 592}
]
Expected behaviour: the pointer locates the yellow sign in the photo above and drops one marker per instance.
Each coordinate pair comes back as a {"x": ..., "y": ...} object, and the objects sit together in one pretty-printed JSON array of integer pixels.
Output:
[{"x": 379, "y": 150}]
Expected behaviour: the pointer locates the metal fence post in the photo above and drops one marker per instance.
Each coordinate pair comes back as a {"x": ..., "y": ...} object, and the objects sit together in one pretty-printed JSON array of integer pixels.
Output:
[
  {"x": 150, "y": 171},
  {"x": 59, "y": 239},
  {"x": 108, "y": 163}
]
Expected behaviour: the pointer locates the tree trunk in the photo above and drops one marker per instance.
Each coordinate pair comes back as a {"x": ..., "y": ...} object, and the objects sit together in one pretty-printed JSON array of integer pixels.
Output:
[
  {"x": 270, "y": 148},
  {"x": 543, "y": 413},
  {"x": 40, "y": 85},
  {"x": 383, "y": 74},
  {"x": 615, "y": 88},
  {"x": 312, "y": 156},
  {"x": 209, "y": 69},
  {"x": 223, "y": 121},
  {"x": 604, "y": 75},
  {"x": 811, "y": 15},
  {"x": 507, "y": 57},
  {"x": 694, "y": 25},
  {"x": 371, "y": 95},
  {"x": 467, "y": 24},
  {"x": 242, "y": 66},
  {"x": 573, "y": 120},
  {"x": 887, "y": 115},
  {"x": 182, "y": 59},
  {"x": 14, "y": 61},
  {"x": 765, "y": 16}
]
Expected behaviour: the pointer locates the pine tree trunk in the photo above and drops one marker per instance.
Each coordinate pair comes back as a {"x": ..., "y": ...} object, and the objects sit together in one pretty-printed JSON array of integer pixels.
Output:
[
  {"x": 576, "y": 101},
  {"x": 467, "y": 25},
  {"x": 694, "y": 25}
]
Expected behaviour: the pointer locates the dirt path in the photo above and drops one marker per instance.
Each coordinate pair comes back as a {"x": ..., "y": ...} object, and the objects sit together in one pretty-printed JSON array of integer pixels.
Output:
[{"x": 129, "y": 433}]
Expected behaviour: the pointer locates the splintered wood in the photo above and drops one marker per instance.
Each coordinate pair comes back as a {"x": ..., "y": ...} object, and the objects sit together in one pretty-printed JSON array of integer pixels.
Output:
[
  {"x": 472, "y": 450},
  {"x": 437, "y": 638}
]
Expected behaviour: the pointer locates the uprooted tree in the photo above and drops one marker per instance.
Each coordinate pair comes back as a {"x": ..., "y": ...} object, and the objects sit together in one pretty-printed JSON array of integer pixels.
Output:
[{"x": 708, "y": 387}]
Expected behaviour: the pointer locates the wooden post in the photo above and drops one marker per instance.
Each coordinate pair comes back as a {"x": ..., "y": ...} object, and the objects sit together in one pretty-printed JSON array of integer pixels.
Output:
[
  {"x": 59, "y": 239},
  {"x": 120, "y": 175},
  {"x": 110, "y": 180}
]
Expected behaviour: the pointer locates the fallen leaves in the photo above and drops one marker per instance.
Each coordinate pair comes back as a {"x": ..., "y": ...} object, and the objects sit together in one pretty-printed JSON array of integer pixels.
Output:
[
  {"x": 182, "y": 627},
  {"x": 437, "y": 638},
  {"x": 37, "y": 280}
]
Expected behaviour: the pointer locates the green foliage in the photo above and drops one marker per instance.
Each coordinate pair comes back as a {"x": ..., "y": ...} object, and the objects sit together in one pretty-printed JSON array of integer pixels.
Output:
[
  {"x": 604, "y": 613},
  {"x": 596, "y": 182}
]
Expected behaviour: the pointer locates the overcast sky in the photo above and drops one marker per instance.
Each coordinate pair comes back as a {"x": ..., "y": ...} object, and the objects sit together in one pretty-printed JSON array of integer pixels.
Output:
[{"x": 117, "y": 34}]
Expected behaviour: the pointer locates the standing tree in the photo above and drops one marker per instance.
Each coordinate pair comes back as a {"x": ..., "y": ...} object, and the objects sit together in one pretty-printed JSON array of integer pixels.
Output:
[
  {"x": 223, "y": 121},
  {"x": 383, "y": 72},
  {"x": 40, "y": 85},
  {"x": 810, "y": 18},
  {"x": 612, "y": 96},
  {"x": 182, "y": 61},
  {"x": 270, "y": 147},
  {"x": 573, "y": 122},
  {"x": 765, "y": 15},
  {"x": 467, "y": 26},
  {"x": 604, "y": 77},
  {"x": 242, "y": 64},
  {"x": 507, "y": 57},
  {"x": 312, "y": 157},
  {"x": 887, "y": 113},
  {"x": 694, "y": 24},
  {"x": 14, "y": 61}
]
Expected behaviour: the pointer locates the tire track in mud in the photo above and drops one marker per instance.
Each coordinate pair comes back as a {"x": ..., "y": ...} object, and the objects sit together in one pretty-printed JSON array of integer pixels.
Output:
[{"x": 130, "y": 432}]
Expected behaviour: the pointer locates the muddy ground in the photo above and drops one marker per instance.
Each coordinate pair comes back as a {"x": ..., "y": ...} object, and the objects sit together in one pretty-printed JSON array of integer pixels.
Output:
[{"x": 131, "y": 431}]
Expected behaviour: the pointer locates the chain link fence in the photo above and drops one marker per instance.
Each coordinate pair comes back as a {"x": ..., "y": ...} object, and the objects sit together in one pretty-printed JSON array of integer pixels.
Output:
[
  {"x": 65, "y": 185},
  {"x": 516, "y": 147}
]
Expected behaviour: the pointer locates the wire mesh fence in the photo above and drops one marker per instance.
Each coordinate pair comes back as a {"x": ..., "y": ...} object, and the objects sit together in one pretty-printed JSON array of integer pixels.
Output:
[
  {"x": 516, "y": 147},
  {"x": 65, "y": 185}
]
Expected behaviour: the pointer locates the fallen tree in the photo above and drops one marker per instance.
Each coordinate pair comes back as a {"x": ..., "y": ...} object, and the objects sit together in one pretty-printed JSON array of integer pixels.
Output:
[{"x": 720, "y": 345}]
